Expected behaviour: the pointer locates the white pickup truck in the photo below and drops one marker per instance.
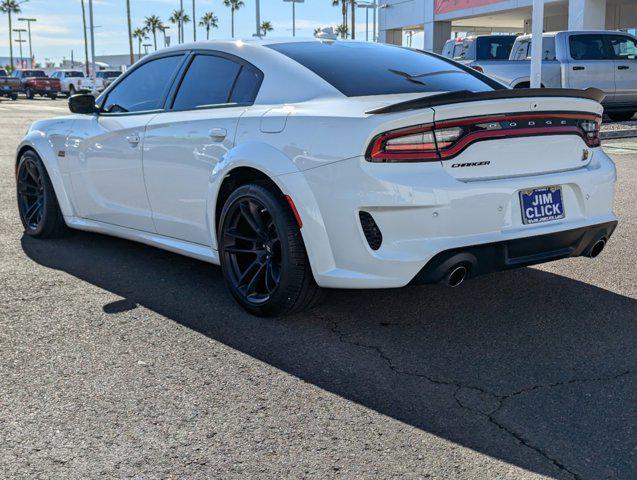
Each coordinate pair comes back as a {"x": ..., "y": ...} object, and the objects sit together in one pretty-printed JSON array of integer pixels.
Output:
[
  {"x": 73, "y": 81},
  {"x": 575, "y": 59}
]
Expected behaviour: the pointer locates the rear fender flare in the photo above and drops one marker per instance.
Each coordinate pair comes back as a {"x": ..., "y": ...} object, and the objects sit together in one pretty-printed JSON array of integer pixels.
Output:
[{"x": 285, "y": 174}]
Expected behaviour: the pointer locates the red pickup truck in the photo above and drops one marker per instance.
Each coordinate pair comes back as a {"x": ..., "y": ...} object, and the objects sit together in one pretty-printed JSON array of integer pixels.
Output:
[{"x": 36, "y": 82}]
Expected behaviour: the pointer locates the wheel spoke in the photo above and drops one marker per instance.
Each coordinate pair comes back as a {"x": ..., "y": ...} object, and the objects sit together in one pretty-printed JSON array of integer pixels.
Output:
[
  {"x": 247, "y": 215},
  {"x": 234, "y": 249},
  {"x": 246, "y": 273},
  {"x": 33, "y": 172},
  {"x": 32, "y": 211},
  {"x": 270, "y": 281},
  {"x": 251, "y": 288},
  {"x": 234, "y": 233}
]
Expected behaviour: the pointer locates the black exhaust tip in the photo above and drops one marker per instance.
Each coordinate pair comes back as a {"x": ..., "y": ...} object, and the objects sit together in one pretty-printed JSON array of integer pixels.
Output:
[
  {"x": 597, "y": 248},
  {"x": 456, "y": 276}
]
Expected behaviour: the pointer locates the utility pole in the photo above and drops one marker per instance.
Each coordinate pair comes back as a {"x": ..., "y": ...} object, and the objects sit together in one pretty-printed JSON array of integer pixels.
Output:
[
  {"x": 294, "y": 2},
  {"x": 181, "y": 21},
  {"x": 194, "y": 22},
  {"x": 131, "y": 52},
  {"x": 29, "y": 20},
  {"x": 258, "y": 17},
  {"x": 90, "y": 16},
  {"x": 367, "y": 6},
  {"x": 20, "y": 42},
  {"x": 536, "y": 43}
]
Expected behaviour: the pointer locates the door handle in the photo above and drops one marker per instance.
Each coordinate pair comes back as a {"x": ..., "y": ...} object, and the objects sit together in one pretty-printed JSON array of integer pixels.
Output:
[
  {"x": 218, "y": 134},
  {"x": 133, "y": 140},
  {"x": 623, "y": 67},
  {"x": 579, "y": 68}
]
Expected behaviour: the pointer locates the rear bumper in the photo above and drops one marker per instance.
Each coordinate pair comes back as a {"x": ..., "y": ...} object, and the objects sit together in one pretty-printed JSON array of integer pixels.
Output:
[
  {"x": 422, "y": 211},
  {"x": 521, "y": 252}
]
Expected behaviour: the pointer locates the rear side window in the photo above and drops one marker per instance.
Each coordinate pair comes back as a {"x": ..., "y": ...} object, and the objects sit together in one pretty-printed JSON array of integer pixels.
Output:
[
  {"x": 587, "y": 47},
  {"x": 494, "y": 48},
  {"x": 208, "y": 81},
  {"x": 357, "y": 69},
  {"x": 623, "y": 48},
  {"x": 74, "y": 75},
  {"x": 144, "y": 88}
]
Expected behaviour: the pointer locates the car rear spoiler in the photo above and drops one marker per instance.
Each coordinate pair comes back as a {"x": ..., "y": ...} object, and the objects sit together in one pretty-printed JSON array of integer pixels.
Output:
[{"x": 463, "y": 96}]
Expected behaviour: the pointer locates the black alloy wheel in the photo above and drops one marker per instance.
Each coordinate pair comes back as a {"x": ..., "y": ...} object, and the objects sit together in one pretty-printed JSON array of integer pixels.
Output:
[
  {"x": 39, "y": 210},
  {"x": 252, "y": 249},
  {"x": 262, "y": 254}
]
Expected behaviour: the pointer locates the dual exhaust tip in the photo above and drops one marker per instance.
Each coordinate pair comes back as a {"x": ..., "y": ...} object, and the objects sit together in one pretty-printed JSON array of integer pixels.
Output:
[{"x": 458, "y": 273}]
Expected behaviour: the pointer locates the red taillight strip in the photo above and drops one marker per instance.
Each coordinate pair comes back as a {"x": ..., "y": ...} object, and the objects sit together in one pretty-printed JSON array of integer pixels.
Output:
[{"x": 379, "y": 152}]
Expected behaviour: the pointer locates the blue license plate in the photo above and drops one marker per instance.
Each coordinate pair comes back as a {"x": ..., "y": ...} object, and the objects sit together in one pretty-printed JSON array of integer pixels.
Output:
[{"x": 541, "y": 205}]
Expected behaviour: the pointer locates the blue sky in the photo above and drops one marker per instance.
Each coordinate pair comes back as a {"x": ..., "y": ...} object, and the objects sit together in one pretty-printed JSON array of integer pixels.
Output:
[{"x": 59, "y": 25}]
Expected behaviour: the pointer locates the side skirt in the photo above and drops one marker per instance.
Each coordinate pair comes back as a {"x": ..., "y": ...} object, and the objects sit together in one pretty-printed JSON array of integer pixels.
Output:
[{"x": 193, "y": 250}]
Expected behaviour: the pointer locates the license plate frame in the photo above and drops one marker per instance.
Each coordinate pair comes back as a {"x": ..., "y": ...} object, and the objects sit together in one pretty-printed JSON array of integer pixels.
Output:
[{"x": 541, "y": 204}]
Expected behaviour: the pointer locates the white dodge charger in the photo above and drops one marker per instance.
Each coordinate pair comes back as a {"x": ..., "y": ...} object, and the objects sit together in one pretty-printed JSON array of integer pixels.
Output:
[{"x": 297, "y": 165}]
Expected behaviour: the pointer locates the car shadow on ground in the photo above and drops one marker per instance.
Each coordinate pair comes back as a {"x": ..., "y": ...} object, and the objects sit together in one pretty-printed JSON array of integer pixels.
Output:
[{"x": 526, "y": 366}]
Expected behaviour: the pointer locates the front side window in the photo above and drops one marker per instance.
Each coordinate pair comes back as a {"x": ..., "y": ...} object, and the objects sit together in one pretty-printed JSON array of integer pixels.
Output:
[
  {"x": 144, "y": 88},
  {"x": 358, "y": 69},
  {"x": 624, "y": 48},
  {"x": 587, "y": 47}
]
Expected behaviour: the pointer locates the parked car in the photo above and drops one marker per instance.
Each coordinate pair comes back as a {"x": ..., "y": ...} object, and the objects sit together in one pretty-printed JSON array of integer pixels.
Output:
[
  {"x": 330, "y": 181},
  {"x": 104, "y": 78},
  {"x": 73, "y": 81},
  {"x": 36, "y": 82},
  {"x": 475, "y": 49},
  {"x": 577, "y": 59},
  {"x": 9, "y": 86}
]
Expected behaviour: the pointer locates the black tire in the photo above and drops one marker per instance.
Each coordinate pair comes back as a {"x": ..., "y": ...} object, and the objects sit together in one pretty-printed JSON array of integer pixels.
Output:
[
  {"x": 621, "y": 116},
  {"x": 14, "y": 96},
  {"x": 263, "y": 257},
  {"x": 29, "y": 93},
  {"x": 71, "y": 90},
  {"x": 38, "y": 206},
  {"x": 53, "y": 97}
]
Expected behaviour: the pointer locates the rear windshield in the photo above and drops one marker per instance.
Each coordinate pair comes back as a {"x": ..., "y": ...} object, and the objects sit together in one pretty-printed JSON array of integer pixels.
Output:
[
  {"x": 33, "y": 73},
  {"x": 494, "y": 48},
  {"x": 358, "y": 69}
]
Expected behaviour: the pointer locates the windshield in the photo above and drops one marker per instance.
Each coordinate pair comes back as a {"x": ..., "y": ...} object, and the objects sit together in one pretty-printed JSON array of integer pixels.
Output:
[
  {"x": 497, "y": 47},
  {"x": 357, "y": 69},
  {"x": 34, "y": 73}
]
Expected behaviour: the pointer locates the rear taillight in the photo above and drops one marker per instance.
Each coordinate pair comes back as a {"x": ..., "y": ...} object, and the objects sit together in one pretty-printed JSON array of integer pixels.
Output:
[
  {"x": 478, "y": 68},
  {"x": 445, "y": 140}
]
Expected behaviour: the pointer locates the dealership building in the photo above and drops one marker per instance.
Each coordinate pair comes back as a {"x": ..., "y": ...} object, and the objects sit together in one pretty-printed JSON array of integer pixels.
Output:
[{"x": 429, "y": 23}]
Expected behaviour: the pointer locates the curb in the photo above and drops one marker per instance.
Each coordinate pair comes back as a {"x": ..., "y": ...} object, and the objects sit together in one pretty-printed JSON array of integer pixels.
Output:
[{"x": 618, "y": 134}]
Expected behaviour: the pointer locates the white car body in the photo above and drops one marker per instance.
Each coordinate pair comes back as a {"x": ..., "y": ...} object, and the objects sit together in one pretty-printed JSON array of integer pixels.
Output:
[
  {"x": 155, "y": 177},
  {"x": 73, "y": 81}
]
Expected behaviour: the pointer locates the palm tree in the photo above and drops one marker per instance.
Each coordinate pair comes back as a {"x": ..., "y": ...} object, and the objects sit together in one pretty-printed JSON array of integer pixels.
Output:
[
  {"x": 152, "y": 24},
  {"x": 9, "y": 7},
  {"x": 343, "y": 4},
  {"x": 140, "y": 35},
  {"x": 266, "y": 27},
  {"x": 85, "y": 39},
  {"x": 341, "y": 30},
  {"x": 234, "y": 6},
  {"x": 209, "y": 20},
  {"x": 175, "y": 18},
  {"x": 130, "y": 33}
]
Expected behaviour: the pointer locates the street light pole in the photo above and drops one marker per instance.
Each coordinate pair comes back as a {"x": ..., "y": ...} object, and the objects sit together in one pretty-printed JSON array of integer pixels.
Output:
[
  {"x": 536, "y": 43},
  {"x": 92, "y": 27},
  {"x": 257, "y": 13},
  {"x": 367, "y": 6},
  {"x": 29, "y": 20},
  {"x": 20, "y": 42},
  {"x": 294, "y": 2}
]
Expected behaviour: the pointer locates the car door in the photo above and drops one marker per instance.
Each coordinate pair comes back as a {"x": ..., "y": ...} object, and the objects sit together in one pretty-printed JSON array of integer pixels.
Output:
[
  {"x": 591, "y": 64},
  {"x": 107, "y": 175},
  {"x": 184, "y": 143},
  {"x": 624, "y": 50}
]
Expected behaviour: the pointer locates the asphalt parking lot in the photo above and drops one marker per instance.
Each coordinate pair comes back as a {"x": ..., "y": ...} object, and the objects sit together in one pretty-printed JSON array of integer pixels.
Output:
[{"x": 119, "y": 360}]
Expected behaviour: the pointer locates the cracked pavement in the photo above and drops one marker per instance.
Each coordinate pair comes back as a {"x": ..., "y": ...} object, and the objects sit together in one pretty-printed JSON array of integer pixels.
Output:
[{"x": 118, "y": 360}]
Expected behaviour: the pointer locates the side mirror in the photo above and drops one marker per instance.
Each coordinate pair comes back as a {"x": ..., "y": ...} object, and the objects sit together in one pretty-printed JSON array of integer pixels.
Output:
[{"x": 83, "y": 103}]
